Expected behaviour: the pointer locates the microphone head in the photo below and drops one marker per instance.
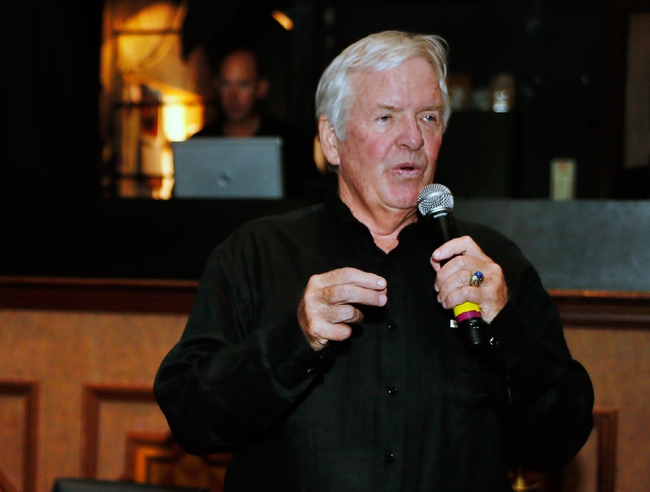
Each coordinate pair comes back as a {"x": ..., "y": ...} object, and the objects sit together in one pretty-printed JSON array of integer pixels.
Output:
[{"x": 435, "y": 198}]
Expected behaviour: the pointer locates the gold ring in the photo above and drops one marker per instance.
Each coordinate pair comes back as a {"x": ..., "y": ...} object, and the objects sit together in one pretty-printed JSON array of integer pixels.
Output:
[{"x": 477, "y": 279}]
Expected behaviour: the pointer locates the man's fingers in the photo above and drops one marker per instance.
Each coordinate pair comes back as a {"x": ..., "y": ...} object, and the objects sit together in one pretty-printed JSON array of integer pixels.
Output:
[
  {"x": 348, "y": 285},
  {"x": 344, "y": 313},
  {"x": 453, "y": 284},
  {"x": 328, "y": 306},
  {"x": 349, "y": 293},
  {"x": 463, "y": 245},
  {"x": 332, "y": 325},
  {"x": 350, "y": 276}
]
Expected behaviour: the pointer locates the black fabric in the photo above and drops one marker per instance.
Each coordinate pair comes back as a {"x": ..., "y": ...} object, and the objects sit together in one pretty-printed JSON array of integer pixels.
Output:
[
  {"x": 398, "y": 406},
  {"x": 301, "y": 177}
]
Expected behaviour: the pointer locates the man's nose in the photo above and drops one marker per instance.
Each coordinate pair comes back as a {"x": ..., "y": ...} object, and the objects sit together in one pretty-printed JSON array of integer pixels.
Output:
[{"x": 411, "y": 134}]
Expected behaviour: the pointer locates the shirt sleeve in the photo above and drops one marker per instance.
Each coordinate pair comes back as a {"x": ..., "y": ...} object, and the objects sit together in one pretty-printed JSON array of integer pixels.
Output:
[
  {"x": 544, "y": 397},
  {"x": 232, "y": 375}
]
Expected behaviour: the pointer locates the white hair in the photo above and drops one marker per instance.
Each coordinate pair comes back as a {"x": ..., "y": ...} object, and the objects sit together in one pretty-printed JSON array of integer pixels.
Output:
[{"x": 380, "y": 51}]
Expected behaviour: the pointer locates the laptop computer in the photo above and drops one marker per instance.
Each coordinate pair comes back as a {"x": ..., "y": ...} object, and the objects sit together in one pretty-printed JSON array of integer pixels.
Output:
[{"x": 222, "y": 167}]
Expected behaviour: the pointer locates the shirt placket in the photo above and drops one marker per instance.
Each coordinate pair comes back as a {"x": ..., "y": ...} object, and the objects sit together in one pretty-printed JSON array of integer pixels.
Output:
[{"x": 392, "y": 384}]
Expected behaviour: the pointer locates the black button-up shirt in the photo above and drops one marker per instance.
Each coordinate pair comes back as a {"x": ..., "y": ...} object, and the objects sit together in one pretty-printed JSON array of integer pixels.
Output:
[{"x": 400, "y": 405}]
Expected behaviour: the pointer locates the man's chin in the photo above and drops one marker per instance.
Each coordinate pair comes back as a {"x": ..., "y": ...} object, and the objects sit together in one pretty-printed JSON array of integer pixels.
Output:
[
  {"x": 238, "y": 120},
  {"x": 407, "y": 190},
  {"x": 236, "y": 116},
  {"x": 405, "y": 199}
]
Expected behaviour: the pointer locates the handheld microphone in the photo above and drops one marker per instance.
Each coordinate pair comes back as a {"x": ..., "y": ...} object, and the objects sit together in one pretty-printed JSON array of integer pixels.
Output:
[{"x": 435, "y": 203}]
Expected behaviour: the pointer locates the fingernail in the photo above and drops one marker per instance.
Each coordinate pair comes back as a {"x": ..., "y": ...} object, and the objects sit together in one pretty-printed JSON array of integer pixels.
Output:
[
  {"x": 381, "y": 282},
  {"x": 383, "y": 299}
]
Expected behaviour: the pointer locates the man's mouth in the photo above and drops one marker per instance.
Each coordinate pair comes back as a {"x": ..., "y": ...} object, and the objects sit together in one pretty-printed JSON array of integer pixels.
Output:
[{"x": 407, "y": 168}]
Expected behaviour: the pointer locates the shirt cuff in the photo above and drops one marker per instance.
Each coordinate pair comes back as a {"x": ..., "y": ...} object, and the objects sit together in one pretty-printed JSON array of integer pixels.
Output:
[
  {"x": 294, "y": 361},
  {"x": 508, "y": 337}
]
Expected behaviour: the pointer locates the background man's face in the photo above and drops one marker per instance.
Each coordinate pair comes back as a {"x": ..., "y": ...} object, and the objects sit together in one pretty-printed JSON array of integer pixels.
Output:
[{"x": 239, "y": 86}]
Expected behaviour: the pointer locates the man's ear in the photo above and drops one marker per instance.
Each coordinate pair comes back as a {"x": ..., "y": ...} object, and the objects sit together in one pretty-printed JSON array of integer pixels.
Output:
[
  {"x": 262, "y": 88},
  {"x": 329, "y": 141}
]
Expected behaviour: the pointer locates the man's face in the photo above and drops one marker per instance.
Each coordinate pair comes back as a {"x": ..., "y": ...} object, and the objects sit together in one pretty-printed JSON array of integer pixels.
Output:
[
  {"x": 239, "y": 86},
  {"x": 393, "y": 134}
]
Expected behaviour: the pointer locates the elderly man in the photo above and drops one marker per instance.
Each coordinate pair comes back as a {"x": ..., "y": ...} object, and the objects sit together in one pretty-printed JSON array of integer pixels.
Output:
[{"x": 320, "y": 349}]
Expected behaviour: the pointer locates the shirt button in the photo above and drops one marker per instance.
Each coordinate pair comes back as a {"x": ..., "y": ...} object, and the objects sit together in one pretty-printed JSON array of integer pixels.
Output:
[
  {"x": 494, "y": 341},
  {"x": 311, "y": 371},
  {"x": 392, "y": 390},
  {"x": 392, "y": 325},
  {"x": 390, "y": 457}
]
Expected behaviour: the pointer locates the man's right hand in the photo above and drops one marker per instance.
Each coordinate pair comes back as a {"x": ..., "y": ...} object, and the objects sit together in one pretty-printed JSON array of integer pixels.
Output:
[{"x": 327, "y": 308}]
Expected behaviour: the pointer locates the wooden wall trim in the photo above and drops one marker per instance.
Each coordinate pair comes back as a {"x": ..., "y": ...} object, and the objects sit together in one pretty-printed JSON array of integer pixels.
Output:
[
  {"x": 107, "y": 295},
  {"x": 93, "y": 396},
  {"x": 599, "y": 309},
  {"x": 140, "y": 446},
  {"x": 157, "y": 458},
  {"x": 5, "y": 484},
  {"x": 29, "y": 391},
  {"x": 578, "y": 308},
  {"x": 606, "y": 425}
]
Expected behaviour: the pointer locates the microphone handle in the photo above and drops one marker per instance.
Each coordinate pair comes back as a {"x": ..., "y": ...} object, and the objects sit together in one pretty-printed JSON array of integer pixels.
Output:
[{"x": 442, "y": 228}]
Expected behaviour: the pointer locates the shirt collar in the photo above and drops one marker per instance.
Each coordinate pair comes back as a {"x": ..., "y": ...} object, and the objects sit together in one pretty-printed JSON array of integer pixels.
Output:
[{"x": 342, "y": 215}]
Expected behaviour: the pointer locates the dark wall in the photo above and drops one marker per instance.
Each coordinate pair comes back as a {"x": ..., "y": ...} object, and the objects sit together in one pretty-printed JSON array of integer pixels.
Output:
[
  {"x": 552, "y": 48},
  {"x": 49, "y": 151},
  {"x": 50, "y": 162},
  {"x": 50, "y": 142}
]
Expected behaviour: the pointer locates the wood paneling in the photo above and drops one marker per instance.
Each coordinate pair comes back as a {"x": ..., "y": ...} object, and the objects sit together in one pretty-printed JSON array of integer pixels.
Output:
[
  {"x": 94, "y": 369},
  {"x": 629, "y": 310},
  {"x": 103, "y": 295},
  {"x": 157, "y": 458},
  {"x": 597, "y": 309},
  {"x": 606, "y": 427},
  {"x": 93, "y": 397},
  {"x": 28, "y": 392}
]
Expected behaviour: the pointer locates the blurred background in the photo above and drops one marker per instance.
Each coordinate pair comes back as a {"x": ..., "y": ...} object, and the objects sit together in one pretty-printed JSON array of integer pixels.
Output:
[{"x": 95, "y": 91}]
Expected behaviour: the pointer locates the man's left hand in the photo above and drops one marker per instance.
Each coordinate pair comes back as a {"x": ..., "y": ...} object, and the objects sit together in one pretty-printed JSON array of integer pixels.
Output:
[{"x": 453, "y": 279}]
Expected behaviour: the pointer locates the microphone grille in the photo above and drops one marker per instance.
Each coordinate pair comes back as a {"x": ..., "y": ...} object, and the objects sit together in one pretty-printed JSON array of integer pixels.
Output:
[{"x": 435, "y": 197}]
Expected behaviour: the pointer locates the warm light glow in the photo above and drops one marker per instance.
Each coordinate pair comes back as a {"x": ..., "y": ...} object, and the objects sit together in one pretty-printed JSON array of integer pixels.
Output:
[
  {"x": 319, "y": 157},
  {"x": 283, "y": 19},
  {"x": 173, "y": 119},
  {"x": 138, "y": 49},
  {"x": 164, "y": 192}
]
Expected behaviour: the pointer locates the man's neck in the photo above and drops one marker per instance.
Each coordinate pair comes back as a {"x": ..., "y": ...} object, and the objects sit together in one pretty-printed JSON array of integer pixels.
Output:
[
  {"x": 384, "y": 224},
  {"x": 245, "y": 128}
]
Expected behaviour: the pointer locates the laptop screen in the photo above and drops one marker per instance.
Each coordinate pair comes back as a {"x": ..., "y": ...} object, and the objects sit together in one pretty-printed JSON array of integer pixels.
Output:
[
  {"x": 90, "y": 485},
  {"x": 222, "y": 167}
]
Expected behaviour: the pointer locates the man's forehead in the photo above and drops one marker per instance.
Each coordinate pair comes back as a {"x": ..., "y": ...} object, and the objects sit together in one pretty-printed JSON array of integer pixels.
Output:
[
  {"x": 240, "y": 63},
  {"x": 368, "y": 83},
  {"x": 364, "y": 79}
]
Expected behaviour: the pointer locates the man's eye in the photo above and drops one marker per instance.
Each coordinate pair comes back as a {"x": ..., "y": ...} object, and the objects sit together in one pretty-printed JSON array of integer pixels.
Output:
[
  {"x": 384, "y": 117},
  {"x": 431, "y": 118}
]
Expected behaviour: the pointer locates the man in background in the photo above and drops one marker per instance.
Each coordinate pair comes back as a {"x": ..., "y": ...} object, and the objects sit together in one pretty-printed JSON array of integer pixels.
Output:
[{"x": 241, "y": 90}]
